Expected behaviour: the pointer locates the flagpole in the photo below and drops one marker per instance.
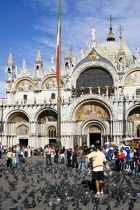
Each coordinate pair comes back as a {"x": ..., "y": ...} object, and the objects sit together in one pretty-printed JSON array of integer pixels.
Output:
[{"x": 58, "y": 70}]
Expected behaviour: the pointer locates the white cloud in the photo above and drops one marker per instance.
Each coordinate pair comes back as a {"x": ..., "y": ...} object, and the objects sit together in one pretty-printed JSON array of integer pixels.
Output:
[
  {"x": 77, "y": 19},
  {"x": 2, "y": 89}
]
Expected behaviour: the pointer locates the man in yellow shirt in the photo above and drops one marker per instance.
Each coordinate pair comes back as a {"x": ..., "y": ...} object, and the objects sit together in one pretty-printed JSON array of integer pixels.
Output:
[{"x": 98, "y": 160}]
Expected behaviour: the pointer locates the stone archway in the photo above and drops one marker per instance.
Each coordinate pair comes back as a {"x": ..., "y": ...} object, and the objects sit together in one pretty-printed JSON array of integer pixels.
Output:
[
  {"x": 46, "y": 119},
  {"x": 17, "y": 128},
  {"x": 96, "y": 131},
  {"x": 92, "y": 120},
  {"x": 133, "y": 121}
]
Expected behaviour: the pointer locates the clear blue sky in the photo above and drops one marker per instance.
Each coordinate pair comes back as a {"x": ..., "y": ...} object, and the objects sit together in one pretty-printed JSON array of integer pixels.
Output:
[{"x": 29, "y": 25}]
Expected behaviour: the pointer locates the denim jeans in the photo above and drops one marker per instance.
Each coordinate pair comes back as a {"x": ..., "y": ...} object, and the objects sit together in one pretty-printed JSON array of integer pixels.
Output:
[
  {"x": 135, "y": 171},
  {"x": 48, "y": 160},
  {"x": 62, "y": 157},
  {"x": 17, "y": 157},
  {"x": 0, "y": 154},
  {"x": 56, "y": 158},
  {"x": 81, "y": 163},
  {"x": 9, "y": 162}
]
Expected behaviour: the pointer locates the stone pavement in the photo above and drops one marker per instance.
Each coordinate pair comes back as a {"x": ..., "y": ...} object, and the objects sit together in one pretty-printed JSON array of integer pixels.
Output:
[{"x": 34, "y": 176}]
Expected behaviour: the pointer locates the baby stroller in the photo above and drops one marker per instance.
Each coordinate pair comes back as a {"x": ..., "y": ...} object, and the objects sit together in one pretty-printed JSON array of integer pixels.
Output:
[{"x": 22, "y": 158}]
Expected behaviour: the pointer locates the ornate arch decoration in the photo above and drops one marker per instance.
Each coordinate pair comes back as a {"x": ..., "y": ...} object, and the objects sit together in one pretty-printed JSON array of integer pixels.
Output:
[
  {"x": 22, "y": 130},
  {"x": 50, "y": 82},
  {"x": 51, "y": 132},
  {"x": 94, "y": 64},
  {"x": 93, "y": 99},
  {"x": 24, "y": 84},
  {"x": 11, "y": 113},
  {"x": 45, "y": 114},
  {"x": 97, "y": 122},
  {"x": 133, "y": 114},
  {"x": 132, "y": 77}
]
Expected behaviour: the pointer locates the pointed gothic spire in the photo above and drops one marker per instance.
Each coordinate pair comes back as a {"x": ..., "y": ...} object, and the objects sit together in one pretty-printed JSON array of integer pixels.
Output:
[
  {"x": 38, "y": 58},
  {"x": 10, "y": 60},
  {"x": 10, "y": 68},
  {"x": 110, "y": 36},
  {"x": 121, "y": 51},
  {"x": 68, "y": 52},
  {"x": 38, "y": 62},
  {"x": 120, "y": 30}
]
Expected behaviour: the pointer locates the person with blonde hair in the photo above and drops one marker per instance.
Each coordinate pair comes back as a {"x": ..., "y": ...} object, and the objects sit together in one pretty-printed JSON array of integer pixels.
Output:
[{"x": 9, "y": 156}]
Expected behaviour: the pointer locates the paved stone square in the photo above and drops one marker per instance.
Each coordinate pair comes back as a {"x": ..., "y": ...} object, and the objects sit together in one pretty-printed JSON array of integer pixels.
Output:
[{"x": 32, "y": 184}]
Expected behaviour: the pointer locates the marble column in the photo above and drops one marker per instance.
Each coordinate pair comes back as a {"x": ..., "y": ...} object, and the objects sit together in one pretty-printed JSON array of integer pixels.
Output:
[
  {"x": 106, "y": 90},
  {"x": 99, "y": 90},
  {"x": 90, "y": 90}
]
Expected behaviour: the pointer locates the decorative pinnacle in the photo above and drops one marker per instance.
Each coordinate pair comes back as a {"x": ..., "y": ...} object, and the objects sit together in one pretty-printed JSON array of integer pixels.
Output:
[
  {"x": 10, "y": 59},
  {"x": 38, "y": 56},
  {"x": 120, "y": 30},
  {"x": 110, "y": 18}
]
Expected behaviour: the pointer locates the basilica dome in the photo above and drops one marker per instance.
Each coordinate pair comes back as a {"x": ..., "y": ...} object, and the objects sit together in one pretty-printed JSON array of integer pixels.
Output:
[{"x": 112, "y": 50}]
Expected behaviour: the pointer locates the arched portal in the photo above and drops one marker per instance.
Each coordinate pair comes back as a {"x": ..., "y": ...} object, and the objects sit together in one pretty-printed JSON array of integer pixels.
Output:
[
  {"x": 46, "y": 126},
  {"x": 18, "y": 129},
  {"x": 93, "y": 122},
  {"x": 95, "y": 131},
  {"x": 134, "y": 121}
]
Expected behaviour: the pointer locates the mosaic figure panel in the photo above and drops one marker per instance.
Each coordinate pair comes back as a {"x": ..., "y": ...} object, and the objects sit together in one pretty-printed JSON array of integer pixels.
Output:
[
  {"x": 24, "y": 85},
  {"x": 133, "y": 78},
  {"x": 48, "y": 118},
  {"x": 47, "y": 115},
  {"x": 134, "y": 115},
  {"x": 22, "y": 130},
  {"x": 91, "y": 110},
  {"x": 18, "y": 117},
  {"x": 50, "y": 83}
]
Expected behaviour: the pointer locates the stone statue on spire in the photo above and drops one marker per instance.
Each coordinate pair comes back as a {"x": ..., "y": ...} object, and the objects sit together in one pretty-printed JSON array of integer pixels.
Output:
[
  {"x": 137, "y": 53},
  {"x": 93, "y": 31},
  {"x": 52, "y": 62},
  {"x": 24, "y": 69}
]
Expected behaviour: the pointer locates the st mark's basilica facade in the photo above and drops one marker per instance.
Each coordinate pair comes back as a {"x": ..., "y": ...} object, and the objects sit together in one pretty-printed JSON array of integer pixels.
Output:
[{"x": 100, "y": 97}]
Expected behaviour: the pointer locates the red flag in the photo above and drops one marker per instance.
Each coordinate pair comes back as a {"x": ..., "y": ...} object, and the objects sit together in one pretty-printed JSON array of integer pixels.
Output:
[{"x": 58, "y": 49}]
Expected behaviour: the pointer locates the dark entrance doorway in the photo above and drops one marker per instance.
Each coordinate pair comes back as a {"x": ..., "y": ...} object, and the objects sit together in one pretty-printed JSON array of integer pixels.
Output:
[
  {"x": 94, "y": 137},
  {"x": 52, "y": 141},
  {"x": 23, "y": 142}
]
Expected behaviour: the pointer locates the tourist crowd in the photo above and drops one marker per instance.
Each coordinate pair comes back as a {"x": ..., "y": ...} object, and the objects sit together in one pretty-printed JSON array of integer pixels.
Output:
[{"x": 125, "y": 158}]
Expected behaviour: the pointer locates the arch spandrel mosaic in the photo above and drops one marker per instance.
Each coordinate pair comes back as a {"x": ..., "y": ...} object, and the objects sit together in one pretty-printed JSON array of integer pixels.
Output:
[
  {"x": 18, "y": 117},
  {"x": 47, "y": 115},
  {"x": 134, "y": 115},
  {"x": 133, "y": 78},
  {"x": 51, "y": 83},
  {"x": 25, "y": 85},
  {"x": 92, "y": 110}
]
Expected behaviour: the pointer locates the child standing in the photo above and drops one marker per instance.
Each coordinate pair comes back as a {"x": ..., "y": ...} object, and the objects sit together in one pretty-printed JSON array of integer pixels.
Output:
[{"x": 9, "y": 157}]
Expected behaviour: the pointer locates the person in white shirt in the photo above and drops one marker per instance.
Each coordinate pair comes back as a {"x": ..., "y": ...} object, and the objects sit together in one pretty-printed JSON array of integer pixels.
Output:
[
  {"x": 9, "y": 157},
  {"x": 48, "y": 155}
]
